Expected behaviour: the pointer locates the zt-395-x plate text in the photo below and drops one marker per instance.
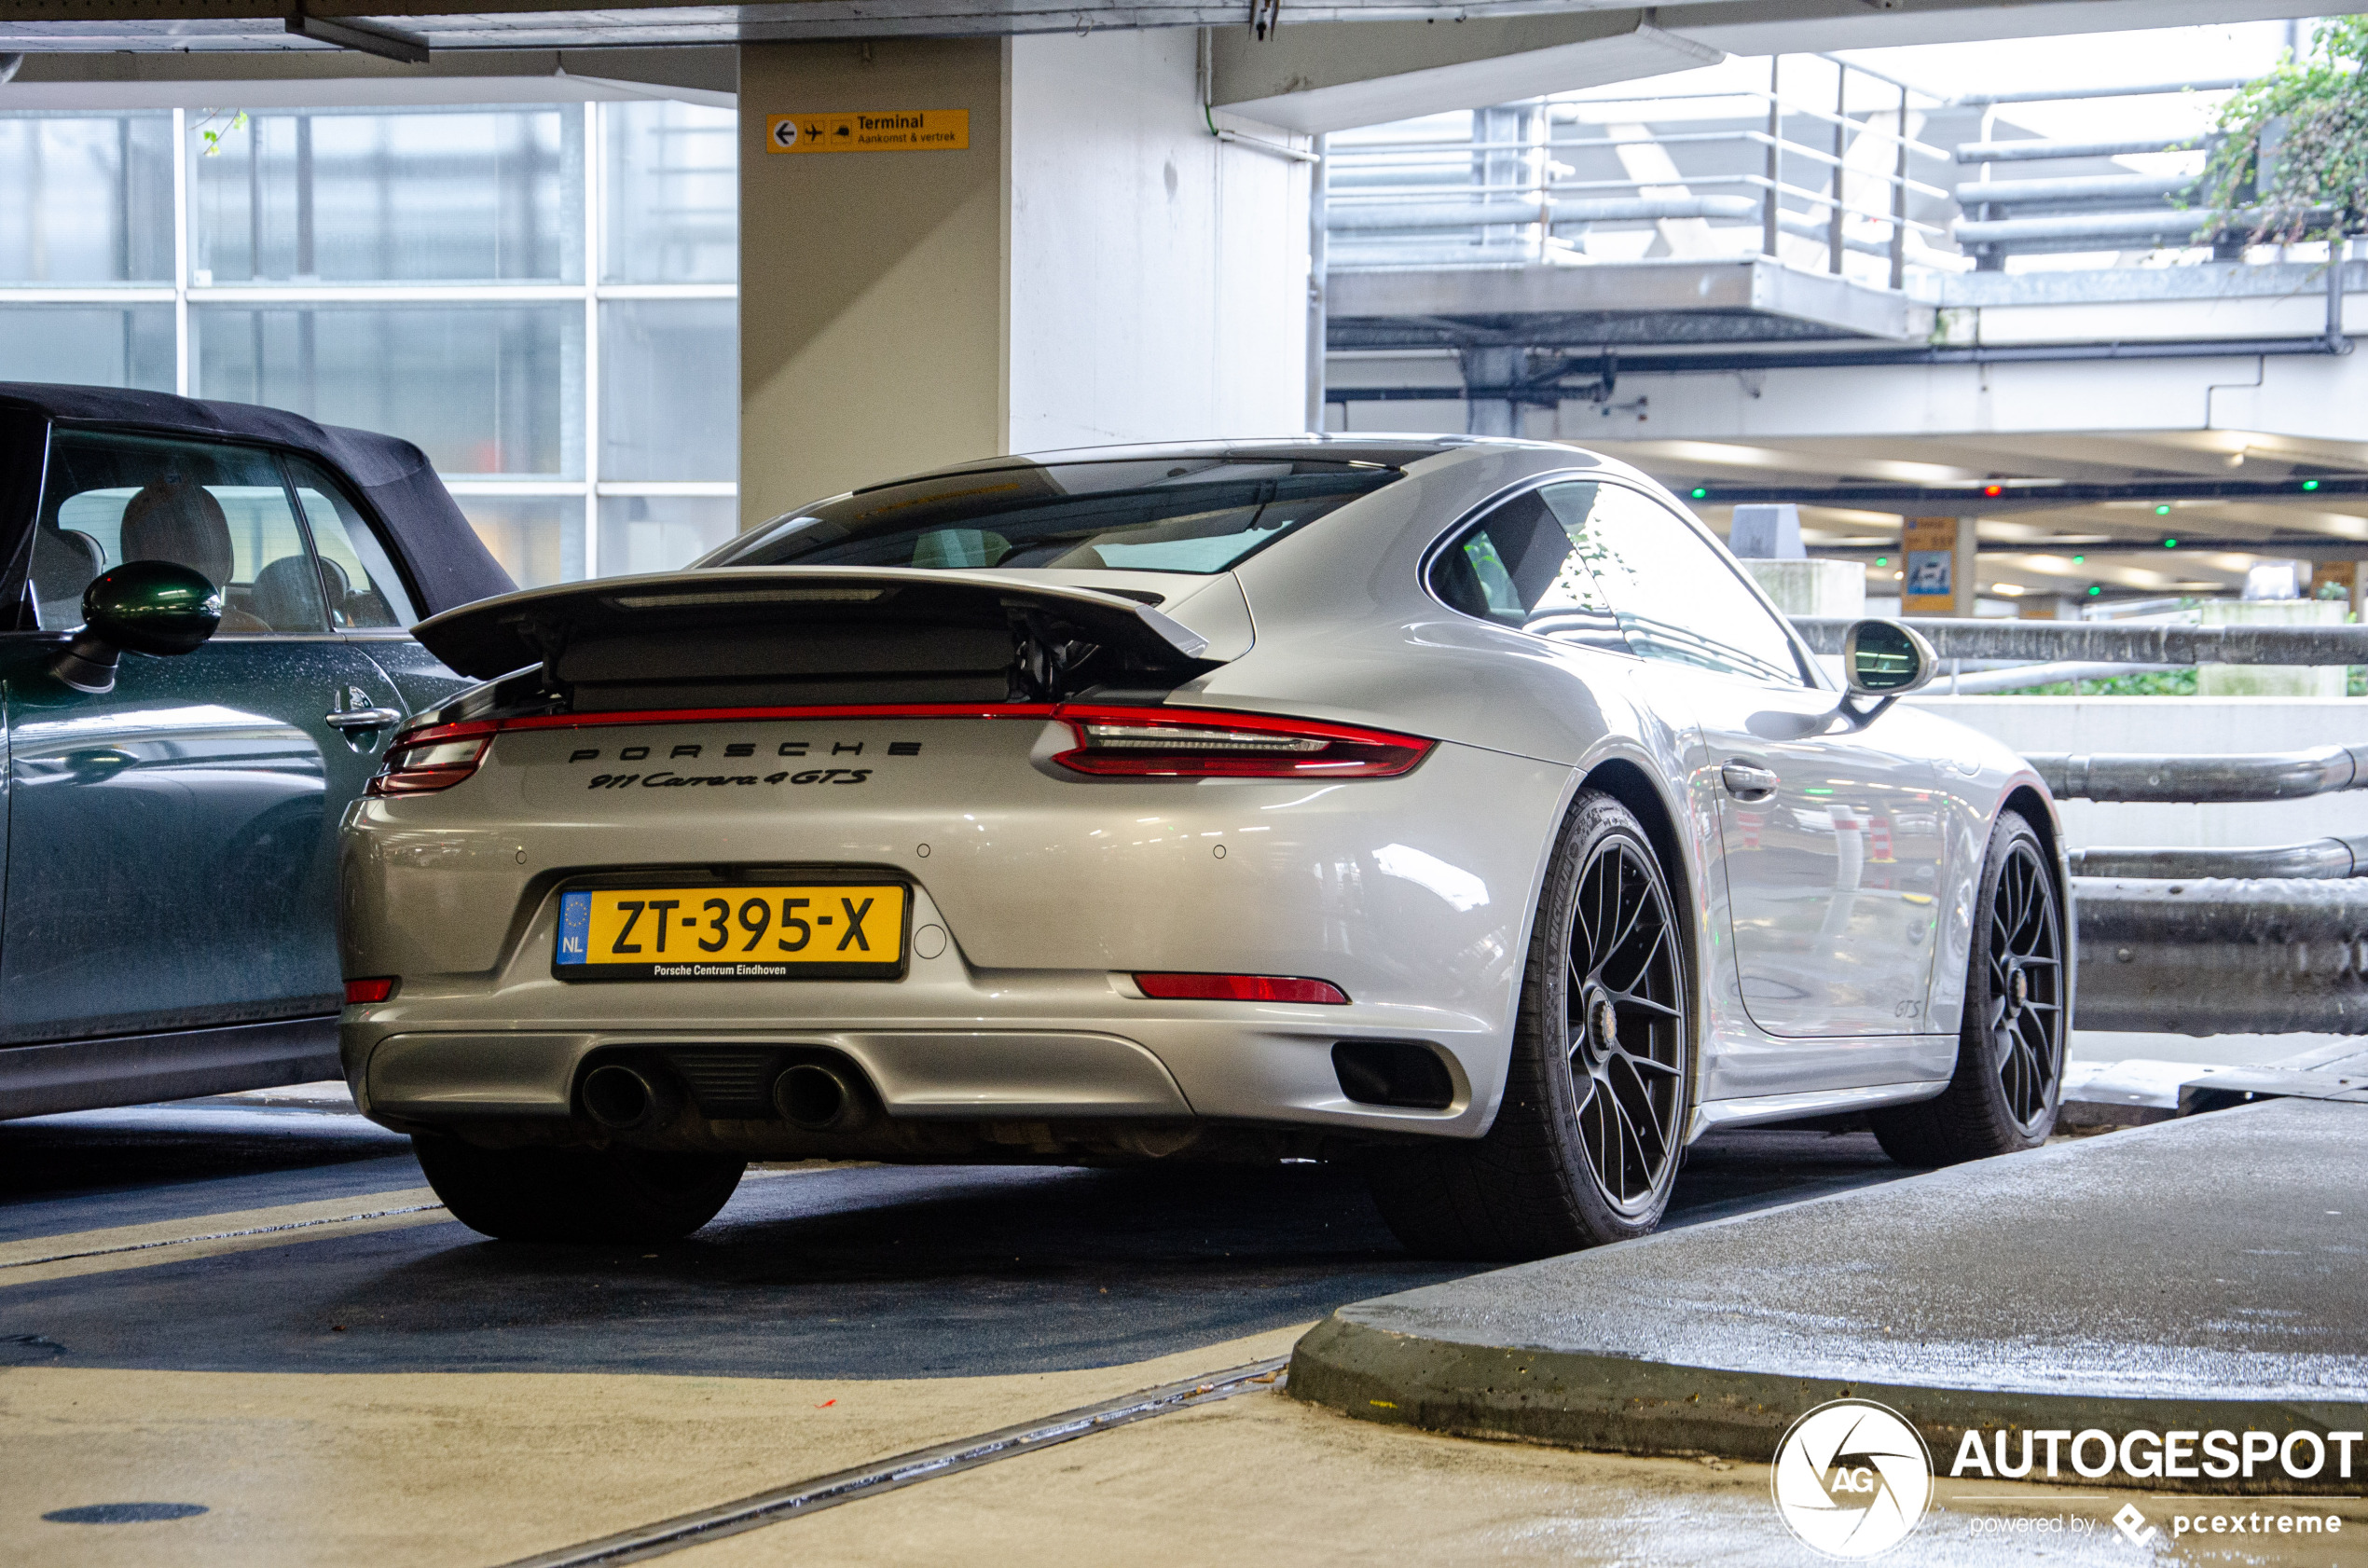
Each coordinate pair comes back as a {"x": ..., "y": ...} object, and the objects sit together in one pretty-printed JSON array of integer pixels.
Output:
[{"x": 817, "y": 931}]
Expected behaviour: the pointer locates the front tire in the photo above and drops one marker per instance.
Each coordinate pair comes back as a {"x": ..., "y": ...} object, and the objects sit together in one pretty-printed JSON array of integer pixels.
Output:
[
  {"x": 581, "y": 1195},
  {"x": 2002, "y": 1097},
  {"x": 1586, "y": 1143}
]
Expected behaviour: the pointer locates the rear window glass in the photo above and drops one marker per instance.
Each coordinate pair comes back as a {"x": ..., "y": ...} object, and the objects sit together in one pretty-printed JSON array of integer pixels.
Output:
[{"x": 1196, "y": 514}]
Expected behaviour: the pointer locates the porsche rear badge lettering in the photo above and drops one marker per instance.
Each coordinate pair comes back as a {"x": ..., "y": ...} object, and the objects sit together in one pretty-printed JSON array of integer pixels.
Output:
[{"x": 665, "y": 779}]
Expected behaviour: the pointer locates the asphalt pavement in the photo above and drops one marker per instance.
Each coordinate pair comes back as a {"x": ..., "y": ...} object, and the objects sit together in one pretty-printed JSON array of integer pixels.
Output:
[{"x": 842, "y": 1271}]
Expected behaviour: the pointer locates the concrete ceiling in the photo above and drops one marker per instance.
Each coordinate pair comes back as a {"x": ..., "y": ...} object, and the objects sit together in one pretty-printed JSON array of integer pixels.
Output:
[{"x": 2117, "y": 545}]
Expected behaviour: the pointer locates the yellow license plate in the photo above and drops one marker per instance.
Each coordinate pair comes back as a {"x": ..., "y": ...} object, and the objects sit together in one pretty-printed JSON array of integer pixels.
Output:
[{"x": 823, "y": 930}]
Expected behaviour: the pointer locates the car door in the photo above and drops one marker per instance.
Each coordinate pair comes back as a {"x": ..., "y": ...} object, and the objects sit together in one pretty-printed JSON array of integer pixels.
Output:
[
  {"x": 1832, "y": 835},
  {"x": 174, "y": 837}
]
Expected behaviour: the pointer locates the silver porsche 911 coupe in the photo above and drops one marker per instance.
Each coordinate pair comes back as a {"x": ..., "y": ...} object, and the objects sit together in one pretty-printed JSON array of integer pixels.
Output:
[{"x": 1452, "y": 807}]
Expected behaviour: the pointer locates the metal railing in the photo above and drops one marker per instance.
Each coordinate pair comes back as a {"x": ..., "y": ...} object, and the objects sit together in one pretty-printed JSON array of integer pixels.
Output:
[
  {"x": 1844, "y": 175},
  {"x": 1517, "y": 199}
]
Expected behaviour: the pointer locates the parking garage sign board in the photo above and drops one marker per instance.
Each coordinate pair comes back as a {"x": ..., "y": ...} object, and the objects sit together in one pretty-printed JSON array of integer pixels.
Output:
[{"x": 885, "y": 130}]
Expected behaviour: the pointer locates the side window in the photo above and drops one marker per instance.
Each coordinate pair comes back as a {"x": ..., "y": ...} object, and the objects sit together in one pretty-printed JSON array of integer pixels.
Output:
[
  {"x": 1524, "y": 566},
  {"x": 363, "y": 590},
  {"x": 220, "y": 509},
  {"x": 1676, "y": 595}
]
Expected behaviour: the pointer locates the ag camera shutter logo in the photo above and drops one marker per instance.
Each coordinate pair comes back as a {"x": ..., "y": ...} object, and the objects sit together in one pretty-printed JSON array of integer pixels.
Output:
[{"x": 1852, "y": 1479}]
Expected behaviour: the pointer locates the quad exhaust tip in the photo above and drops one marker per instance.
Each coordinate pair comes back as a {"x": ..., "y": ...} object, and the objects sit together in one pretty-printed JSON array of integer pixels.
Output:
[
  {"x": 818, "y": 1099},
  {"x": 622, "y": 1098}
]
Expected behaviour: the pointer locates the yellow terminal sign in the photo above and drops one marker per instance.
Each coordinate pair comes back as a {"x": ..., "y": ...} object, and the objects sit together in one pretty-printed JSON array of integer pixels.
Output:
[{"x": 889, "y": 131}]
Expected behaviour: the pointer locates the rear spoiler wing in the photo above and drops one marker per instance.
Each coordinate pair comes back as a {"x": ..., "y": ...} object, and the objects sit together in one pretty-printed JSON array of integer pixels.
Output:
[{"x": 812, "y": 632}]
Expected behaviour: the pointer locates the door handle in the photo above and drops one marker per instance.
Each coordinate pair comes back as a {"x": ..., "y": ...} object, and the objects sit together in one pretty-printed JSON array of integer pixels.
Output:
[
  {"x": 364, "y": 719},
  {"x": 1747, "y": 781}
]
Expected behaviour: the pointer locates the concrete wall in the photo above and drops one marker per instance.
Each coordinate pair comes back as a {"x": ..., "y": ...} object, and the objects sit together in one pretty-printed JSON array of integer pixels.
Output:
[
  {"x": 2194, "y": 727},
  {"x": 1095, "y": 267},
  {"x": 871, "y": 285},
  {"x": 1158, "y": 276}
]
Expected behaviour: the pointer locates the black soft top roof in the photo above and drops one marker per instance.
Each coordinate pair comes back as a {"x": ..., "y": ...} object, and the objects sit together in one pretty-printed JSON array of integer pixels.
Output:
[{"x": 450, "y": 565}]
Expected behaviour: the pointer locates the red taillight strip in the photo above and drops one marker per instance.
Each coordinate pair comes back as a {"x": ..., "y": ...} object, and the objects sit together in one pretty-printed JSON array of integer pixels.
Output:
[
  {"x": 1406, "y": 750},
  {"x": 717, "y": 715}
]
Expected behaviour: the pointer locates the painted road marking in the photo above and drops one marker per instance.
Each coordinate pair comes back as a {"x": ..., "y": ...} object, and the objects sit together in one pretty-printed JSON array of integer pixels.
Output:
[
  {"x": 168, "y": 1241},
  {"x": 139, "y": 1246}
]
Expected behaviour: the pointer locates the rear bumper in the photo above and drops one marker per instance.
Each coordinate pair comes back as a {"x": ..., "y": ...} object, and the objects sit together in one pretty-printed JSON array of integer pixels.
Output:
[{"x": 1139, "y": 1060}]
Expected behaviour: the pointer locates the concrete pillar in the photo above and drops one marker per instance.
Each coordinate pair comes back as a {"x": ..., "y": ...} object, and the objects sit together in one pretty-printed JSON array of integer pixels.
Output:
[
  {"x": 1093, "y": 267},
  {"x": 1493, "y": 367},
  {"x": 1937, "y": 559}
]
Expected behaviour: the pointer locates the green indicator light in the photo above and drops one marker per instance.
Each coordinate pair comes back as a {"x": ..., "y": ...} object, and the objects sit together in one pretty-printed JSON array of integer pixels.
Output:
[
  {"x": 2170, "y": 544},
  {"x": 2162, "y": 511},
  {"x": 2079, "y": 560},
  {"x": 2310, "y": 484},
  {"x": 1883, "y": 560},
  {"x": 1700, "y": 494},
  {"x": 2093, "y": 589}
]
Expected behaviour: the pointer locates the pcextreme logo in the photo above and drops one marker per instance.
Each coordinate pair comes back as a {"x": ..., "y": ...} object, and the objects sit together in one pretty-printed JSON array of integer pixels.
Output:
[{"x": 1852, "y": 1479}]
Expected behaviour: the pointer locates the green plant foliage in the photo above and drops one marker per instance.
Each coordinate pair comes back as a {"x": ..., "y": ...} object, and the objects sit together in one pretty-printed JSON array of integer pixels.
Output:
[
  {"x": 2292, "y": 161},
  {"x": 233, "y": 120},
  {"x": 2148, "y": 684}
]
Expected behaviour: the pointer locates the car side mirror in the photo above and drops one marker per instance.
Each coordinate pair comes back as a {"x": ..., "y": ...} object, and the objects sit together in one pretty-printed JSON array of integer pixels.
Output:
[
  {"x": 146, "y": 607},
  {"x": 1883, "y": 660}
]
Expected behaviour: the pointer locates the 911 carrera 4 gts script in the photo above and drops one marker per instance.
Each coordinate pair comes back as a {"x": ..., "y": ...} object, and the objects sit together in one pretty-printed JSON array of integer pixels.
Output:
[{"x": 670, "y": 780}]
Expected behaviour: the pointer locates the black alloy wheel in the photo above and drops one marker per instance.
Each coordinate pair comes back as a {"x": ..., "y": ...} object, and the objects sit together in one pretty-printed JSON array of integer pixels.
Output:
[
  {"x": 2024, "y": 1011},
  {"x": 1624, "y": 1013},
  {"x": 1591, "y": 1126},
  {"x": 2010, "y": 1049}
]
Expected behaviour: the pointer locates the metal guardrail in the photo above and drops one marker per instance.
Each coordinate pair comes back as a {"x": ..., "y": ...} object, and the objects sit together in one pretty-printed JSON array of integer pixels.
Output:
[
  {"x": 2217, "y": 957},
  {"x": 2322, "y": 859},
  {"x": 2137, "y": 776},
  {"x": 2114, "y": 643}
]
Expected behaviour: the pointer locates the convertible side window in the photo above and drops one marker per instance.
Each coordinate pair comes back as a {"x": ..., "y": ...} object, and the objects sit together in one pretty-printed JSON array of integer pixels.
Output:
[
  {"x": 1675, "y": 596},
  {"x": 364, "y": 590},
  {"x": 221, "y": 509},
  {"x": 1525, "y": 565}
]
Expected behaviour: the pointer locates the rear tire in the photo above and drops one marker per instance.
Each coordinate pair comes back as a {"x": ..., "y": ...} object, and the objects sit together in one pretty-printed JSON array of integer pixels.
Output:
[
  {"x": 2002, "y": 1097},
  {"x": 1587, "y": 1141},
  {"x": 584, "y": 1195}
]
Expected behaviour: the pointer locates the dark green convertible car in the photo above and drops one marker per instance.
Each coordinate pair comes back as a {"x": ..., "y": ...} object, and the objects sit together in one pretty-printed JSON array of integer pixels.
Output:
[{"x": 167, "y": 927}]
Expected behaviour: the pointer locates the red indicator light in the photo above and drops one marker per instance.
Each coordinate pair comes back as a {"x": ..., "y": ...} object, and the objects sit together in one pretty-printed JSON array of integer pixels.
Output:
[
  {"x": 1993, "y": 489},
  {"x": 1239, "y": 988}
]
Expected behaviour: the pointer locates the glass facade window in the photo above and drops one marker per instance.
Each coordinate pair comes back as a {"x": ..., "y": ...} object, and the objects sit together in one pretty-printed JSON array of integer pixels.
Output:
[
  {"x": 89, "y": 199},
  {"x": 542, "y": 296},
  {"x": 661, "y": 532},
  {"x": 482, "y": 389},
  {"x": 90, "y": 345},
  {"x": 443, "y": 195},
  {"x": 670, "y": 389},
  {"x": 673, "y": 194},
  {"x": 539, "y": 540}
]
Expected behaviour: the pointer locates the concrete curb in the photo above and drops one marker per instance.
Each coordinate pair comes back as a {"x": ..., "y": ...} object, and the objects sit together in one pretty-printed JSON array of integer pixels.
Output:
[{"x": 1622, "y": 1405}]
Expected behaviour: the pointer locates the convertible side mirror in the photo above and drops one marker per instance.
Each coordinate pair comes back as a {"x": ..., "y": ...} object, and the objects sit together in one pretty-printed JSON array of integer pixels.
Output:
[
  {"x": 1883, "y": 660},
  {"x": 148, "y": 607}
]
